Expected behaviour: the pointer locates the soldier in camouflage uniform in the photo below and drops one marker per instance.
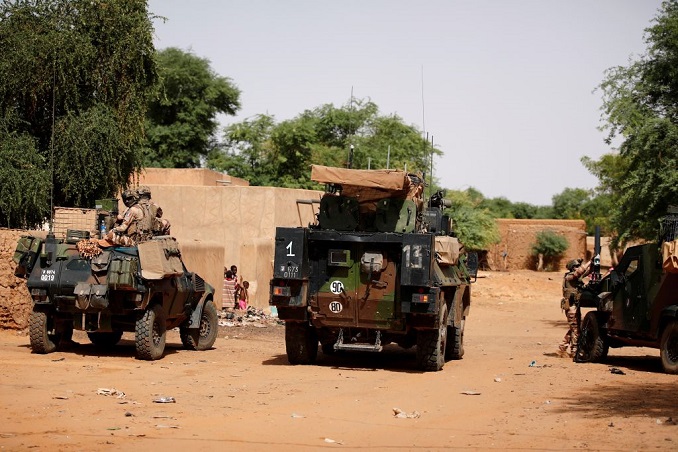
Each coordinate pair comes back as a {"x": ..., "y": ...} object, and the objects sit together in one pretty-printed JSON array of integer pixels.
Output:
[
  {"x": 571, "y": 282},
  {"x": 159, "y": 225},
  {"x": 129, "y": 230}
]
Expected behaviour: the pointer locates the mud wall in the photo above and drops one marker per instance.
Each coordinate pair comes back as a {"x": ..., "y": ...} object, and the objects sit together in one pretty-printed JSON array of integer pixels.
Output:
[
  {"x": 15, "y": 303},
  {"x": 514, "y": 251}
]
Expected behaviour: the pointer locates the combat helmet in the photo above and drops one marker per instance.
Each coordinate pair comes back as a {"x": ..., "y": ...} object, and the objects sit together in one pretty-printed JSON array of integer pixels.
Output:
[
  {"x": 144, "y": 191},
  {"x": 130, "y": 197},
  {"x": 574, "y": 263}
]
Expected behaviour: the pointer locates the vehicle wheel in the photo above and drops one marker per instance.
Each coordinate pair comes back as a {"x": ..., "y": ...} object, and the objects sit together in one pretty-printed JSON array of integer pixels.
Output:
[
  {"x": 455, "y": 342},
  {"x": 105, "y": 339},
  {"x": 44, "y": 338},
  {"x": 301, "y": 343},
  {"x": 592, "y": 345},
  {"x": 431, "y": 345},
  {"x": 203, "y": 337},
  {"x": 668, "y": 348},
  {"x": 150, "y": 333}
]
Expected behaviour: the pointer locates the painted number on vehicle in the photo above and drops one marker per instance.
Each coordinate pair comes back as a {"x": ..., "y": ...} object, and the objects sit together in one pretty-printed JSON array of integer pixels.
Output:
[
  {"x": 336, "y": 307},
  {"x": 413, "y": 256},
  {"x": 48, "y": 275},
  {"x": 289, "y": 249},
  {"x": 336, "y": 287}
]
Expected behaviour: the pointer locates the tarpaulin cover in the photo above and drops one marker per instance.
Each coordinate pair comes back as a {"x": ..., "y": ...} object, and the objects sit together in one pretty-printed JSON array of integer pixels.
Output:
[
  {"x": 670, "y": 256},
  {"x": 383, "y": 179},
  {"x": 160, "y": 258},
  {"x": 447, "y": 250}
]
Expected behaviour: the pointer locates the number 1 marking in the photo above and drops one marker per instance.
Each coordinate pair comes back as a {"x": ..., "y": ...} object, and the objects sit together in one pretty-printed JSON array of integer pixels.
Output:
[{"x": 289, "y": 250}]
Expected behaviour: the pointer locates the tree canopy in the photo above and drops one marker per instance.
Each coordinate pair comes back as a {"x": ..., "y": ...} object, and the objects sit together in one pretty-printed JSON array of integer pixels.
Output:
[
  {"x": 182, "y": 114},
  {"x": 640, "y": 108},
  {"x": 74, "y": 80},
  {"x": 281, "y": 154}
]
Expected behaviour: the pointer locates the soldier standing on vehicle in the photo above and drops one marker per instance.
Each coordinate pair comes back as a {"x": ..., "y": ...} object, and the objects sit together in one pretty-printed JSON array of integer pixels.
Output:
[
  {"x": 571, "y": 282},
  {"x": 159, "y": 225}
]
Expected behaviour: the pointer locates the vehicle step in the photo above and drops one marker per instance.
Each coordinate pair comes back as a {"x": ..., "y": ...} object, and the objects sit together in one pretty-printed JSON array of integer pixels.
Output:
[{"x": 362, "y": 346}]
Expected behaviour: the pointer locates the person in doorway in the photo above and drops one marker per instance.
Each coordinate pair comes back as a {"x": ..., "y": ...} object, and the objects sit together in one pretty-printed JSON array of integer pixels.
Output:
[{"x": 572, "y": 281}]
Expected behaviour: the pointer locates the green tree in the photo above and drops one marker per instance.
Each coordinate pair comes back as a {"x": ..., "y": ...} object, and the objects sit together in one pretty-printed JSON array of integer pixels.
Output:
[
  {"x": 549, "y": 248},
  {"x": 69, "y": 68},
  {"x": 475, "y": 227},
  {"x": 182, "y": 115},
  {"x": 640, "y": 107},
  {"x": 281, "y": 154},
  {"x": 568, "y": 204}
]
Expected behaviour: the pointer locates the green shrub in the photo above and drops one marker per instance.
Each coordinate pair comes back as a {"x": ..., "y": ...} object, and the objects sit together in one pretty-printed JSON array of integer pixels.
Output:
[{"x": 549, "y": 249}]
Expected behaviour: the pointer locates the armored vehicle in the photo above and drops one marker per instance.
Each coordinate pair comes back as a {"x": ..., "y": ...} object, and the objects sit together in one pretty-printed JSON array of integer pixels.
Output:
[
  {"x": 144, "y": 289},
  {"x": 636, "y": 304},
  {"x": 378, "y": 267}
]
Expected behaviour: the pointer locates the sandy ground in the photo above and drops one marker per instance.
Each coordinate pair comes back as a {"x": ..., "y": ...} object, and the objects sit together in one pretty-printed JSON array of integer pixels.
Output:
[{"x": 243, "y": 395}]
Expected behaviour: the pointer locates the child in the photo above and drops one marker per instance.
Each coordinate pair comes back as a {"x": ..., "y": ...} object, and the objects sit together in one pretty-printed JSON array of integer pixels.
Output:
[
  {"x": 243, "y": 296},
  {"x": 228, "y": 293}
]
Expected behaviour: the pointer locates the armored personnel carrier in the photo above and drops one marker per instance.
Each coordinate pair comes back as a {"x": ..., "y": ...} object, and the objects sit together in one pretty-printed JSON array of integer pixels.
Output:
[
  {"x": 379, "y": 267},
  {"x": 636, "y": 303},
  {"x": 145, "y": 289}
]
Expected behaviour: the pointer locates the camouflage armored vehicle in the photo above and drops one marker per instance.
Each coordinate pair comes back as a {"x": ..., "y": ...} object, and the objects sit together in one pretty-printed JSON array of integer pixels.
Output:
[
  {"x": 636, "y": 303},
  {"x": 378, "y": 267},
  {"x": 144, "y": 289}
]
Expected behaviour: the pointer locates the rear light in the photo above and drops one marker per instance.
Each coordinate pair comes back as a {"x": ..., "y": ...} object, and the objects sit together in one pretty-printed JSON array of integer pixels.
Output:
[
  {"x": 420, "y": 298},
  {"x": 282, "y": 291},
  {"x": 38, "y": 294}
]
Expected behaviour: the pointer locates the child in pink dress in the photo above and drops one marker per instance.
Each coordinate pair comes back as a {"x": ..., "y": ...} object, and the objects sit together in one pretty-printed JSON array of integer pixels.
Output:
[{"x": 243, "y": 296}]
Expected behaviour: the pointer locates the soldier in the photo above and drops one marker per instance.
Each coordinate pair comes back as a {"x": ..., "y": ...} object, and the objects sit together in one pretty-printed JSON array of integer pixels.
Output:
[
  {"x": 159, "y": 225},
  {"x": 127, "y": 232},
  {"x": 571, "y": 282}
]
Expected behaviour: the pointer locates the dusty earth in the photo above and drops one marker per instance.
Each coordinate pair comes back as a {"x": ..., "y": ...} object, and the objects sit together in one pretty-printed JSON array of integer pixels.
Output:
[{"x": 243, "y": 394}]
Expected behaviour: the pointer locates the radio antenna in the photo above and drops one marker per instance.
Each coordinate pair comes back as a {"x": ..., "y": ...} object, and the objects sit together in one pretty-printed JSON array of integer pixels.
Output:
[{"x": 51, "y": 152}]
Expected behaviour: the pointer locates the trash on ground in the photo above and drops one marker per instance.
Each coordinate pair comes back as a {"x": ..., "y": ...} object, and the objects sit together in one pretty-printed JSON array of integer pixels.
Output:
[
  {"x": 617, "y": 371},
  {"x": 470, "y": 392},
  {"x": 397, "y": 412},
  {"x": 111, "y": 392},
  {"x": 165, "y": 400}
]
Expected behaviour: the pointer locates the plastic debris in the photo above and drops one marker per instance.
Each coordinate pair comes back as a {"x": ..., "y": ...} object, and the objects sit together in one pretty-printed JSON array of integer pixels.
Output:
[
  {"x": 497, "y": 380},
  {"x": 617, "y": 371},
  {"x": 397, "y": 412},
  {"x": 470, "y": 392},
  {"x": 165, "y": 400},
  {"x": 533, "y": 364},
  {"x": 297, "y": 416},
  {"x": 111, "y": 392}
]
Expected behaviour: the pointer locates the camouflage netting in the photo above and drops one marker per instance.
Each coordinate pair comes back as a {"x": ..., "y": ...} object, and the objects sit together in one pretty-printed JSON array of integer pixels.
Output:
[{"x": 15, "y": 303}]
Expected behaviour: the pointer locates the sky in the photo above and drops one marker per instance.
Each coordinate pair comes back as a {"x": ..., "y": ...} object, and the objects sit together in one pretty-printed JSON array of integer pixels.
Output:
[{"x": 505, "y": 88}]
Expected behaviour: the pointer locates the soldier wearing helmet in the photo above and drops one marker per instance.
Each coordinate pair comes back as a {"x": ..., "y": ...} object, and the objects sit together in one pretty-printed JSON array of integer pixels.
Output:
[
  {"x": 572, "y": 281},
  {"x": 127, "y": 230},
  {"x": 157, "y": 224}
]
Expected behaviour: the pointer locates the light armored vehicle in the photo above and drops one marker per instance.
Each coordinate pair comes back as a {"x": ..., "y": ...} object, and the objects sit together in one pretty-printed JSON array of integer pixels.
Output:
[
  {"x": 144, "y": 289},
  {"x": 378, "y": 267},
  {"x": 636, "y": 303}
]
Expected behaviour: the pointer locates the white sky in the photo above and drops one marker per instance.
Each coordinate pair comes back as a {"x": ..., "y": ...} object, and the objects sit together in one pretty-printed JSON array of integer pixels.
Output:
[{"x": 507, "y": 85}]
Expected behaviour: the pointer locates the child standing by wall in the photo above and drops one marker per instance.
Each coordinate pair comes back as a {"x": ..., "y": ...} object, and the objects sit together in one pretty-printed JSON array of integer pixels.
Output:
[{"x": 243, "y": 296}]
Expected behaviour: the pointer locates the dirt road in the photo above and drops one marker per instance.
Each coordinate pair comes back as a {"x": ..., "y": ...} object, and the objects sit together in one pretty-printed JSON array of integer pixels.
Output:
[{"x": 509, "y": 391}]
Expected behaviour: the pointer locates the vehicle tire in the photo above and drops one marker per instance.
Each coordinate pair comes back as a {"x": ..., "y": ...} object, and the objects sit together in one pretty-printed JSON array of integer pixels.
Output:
[
  {"x": 455, "y": 341},
  {"x": 668, "y": 348},
  {"x": 43, "y": 336},
  {"x": 150, "y": 334},
  {"x": 592, "y": 347},
  {"x": 301, "y": 343},
  {"x": 105, "y": 339},
  {"x": 203, "y": 337},
  {"x": 431, "y": 345}
]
